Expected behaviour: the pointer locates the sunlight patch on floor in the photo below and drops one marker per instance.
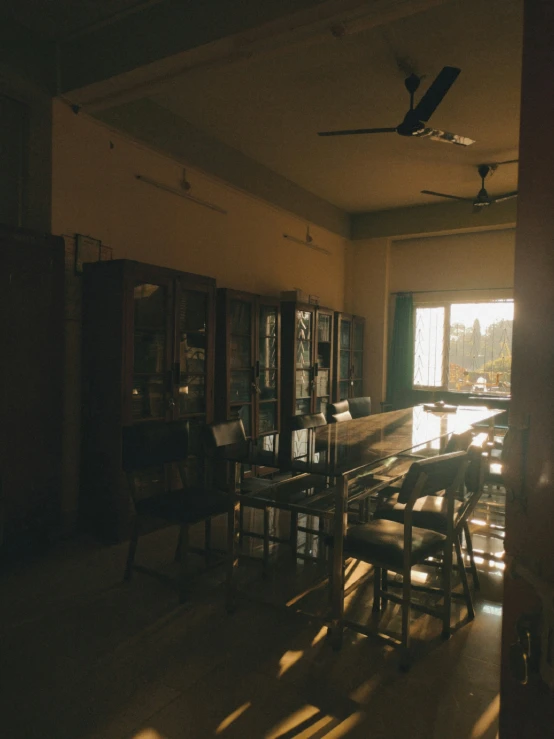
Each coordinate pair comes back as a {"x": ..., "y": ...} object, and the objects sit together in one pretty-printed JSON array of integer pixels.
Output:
[
  {"x": 289, "y": 659},
  {"x": 484, "y": 722},
  {"x": 232, "y": 717}
]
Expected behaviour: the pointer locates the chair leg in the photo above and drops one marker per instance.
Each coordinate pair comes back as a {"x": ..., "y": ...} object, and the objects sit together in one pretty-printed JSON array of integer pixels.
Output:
[
  {"x": 233, "y": 546},
  {"x": 473, "y": 566},
  {"x": 184, "y": 537},
  {"x": 447, "y": 590},
  {"x": 463, "y": 576},
  {"x": 384, "y": 580},
  {"x": 406, "y": 611},
  {"x": 177, "y": 556},
  {"x": 241, "y": 525},
  {"x": 321, "y": 539},
  {"x": 132, "y": 551},
  {"x": 266, "y": 541},
  {"x": 207, "y": 536},
  {"x": 294, "y": 534},
  {"x": 376, "y": 590}
]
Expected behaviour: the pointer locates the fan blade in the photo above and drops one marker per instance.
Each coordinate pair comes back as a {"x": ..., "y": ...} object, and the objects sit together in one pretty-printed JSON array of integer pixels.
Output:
[
  {"x": 356, "y": 131},
  {"x": 434, "y": 95},
  {"x": 445, "y": 136},
  {"x": 507, "y": 196},
  {"x": 443, "y": 195}
]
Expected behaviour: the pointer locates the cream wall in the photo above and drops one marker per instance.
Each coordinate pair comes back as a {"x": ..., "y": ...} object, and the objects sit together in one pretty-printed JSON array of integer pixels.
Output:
[
  {"x": 476, "y": 264},
  {"x": 95, "y": 192},
  {"x": 467, "y": 261},
  {"x": 366, "y": 294}
]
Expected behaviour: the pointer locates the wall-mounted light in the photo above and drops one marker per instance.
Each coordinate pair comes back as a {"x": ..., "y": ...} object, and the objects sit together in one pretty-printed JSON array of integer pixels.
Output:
[{"x": 308, "y": 241}]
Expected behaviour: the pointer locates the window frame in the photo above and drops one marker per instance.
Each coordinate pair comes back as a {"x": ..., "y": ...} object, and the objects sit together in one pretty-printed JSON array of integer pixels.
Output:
[{"x": 447, "y": 305}]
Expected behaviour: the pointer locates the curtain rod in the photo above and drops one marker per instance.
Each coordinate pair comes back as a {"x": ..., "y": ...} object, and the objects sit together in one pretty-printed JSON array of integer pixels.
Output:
[{"x": 456, "y": 290}]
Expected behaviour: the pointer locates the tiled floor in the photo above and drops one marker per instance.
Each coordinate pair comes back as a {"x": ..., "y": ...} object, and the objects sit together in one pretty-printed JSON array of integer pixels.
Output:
[{"x": 84, "y": 656}]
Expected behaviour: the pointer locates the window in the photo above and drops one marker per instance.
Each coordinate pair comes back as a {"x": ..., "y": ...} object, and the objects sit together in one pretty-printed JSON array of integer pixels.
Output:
[{"x": 464, "y": 347}]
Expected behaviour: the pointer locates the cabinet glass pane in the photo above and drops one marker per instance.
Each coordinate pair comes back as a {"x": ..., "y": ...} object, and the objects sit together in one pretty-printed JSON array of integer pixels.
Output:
[
  {"x": 240, "y": 351},
  {"x": 303, "y": 325},
  {"x": 268, "y": 351},
  {"x": 193, "y": 311},
  {"x": 269, "y": 443},
  {"x": 241, "y": 386},
  {"x": 192, "y": 353},
  {"x": 244, "y": 412},
  {"x": 303, "y": 406},
  {"x": 268, "y": 417},
  {"x": 345, "y": 334},
  {"x": 343, "y": 389},
  {"x": 324, "y": 355},
  {"x": 149, "y": 351},
  {"x": 147, "y": 399},
  {"x": 268, "y": 385},
  {"x": 303, "y": 353},
  {"x": 323, "y": 328},
  {"x": 268, "y": 320},
  {"x": 321, "y": 405},
  {"x": 303, "y": 385},
  {"x": 150, "y": 303},
  {"x": 357, "y": 389},
  {"x": 192, "y": 395},
  {"x": 358, "y": 335},
  {"x": 322, "y": 382},
  {"x": 241, "y": 317},
  {"x": 344, "y": 364},
  {"x": 357, "y": 363}
]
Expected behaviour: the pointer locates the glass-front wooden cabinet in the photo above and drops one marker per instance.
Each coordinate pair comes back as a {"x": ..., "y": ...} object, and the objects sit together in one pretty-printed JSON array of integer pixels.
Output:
[
  {"x": 307, "y": 361},
  {"x": 349, "y": 356},
  {"x": 247, "y": 370},
  {"x": 148, "y": 354}
]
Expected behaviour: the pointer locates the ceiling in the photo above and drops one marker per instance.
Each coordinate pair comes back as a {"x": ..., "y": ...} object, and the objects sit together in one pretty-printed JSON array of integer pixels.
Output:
[
  {"x": 62, "y": 18},
  {"x": 271, "y": 106}
]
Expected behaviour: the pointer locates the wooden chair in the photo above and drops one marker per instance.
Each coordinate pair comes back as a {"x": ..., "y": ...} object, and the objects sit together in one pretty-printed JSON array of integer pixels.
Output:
[
  {"x": 359, "y": 407},
  {"x": 398, "y": 546},
  {"x": 430, "y": 510},
  {"x": 165, "y": 444}
]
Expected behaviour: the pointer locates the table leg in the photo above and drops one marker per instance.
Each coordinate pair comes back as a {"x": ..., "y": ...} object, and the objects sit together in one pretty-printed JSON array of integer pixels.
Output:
[
  {"x": 233, "y": 542},
  {"x": 337, "y": 575}
]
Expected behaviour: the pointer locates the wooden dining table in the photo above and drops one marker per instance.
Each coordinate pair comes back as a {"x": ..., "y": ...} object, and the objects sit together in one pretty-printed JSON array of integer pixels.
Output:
[{"x": 346, "y": 463}]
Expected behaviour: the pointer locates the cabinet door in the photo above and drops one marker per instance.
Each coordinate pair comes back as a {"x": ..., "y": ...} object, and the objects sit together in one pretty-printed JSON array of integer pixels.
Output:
[
  {"x": 305, "y": 332},
  {"x": 267, "y": 375},
  {"x": 151, "y": 338},
  {"x": 241, "y": 362},
  {"x": 344, "y": 364},
  {"x": 357, "y": 362},
  {"x": 323, "y": 360}
]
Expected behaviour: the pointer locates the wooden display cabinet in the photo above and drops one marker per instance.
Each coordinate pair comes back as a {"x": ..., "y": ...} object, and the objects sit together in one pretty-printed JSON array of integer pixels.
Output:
[
  {"x": 348, "y": 357},
  {"x": 248, "y": 366},
  {"x": 148, "y": 354},
  {"x": 306, "y": 363}
]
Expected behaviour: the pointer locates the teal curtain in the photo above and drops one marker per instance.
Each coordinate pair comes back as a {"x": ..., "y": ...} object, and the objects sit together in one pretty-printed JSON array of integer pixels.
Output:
[{"x": 401, "y": 354}]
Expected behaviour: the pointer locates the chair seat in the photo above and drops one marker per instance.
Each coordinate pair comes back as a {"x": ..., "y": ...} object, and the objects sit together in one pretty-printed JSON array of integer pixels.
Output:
[
  {"x": 382, "y": 542},
  {"x": 255, "y": 484},
  {"x": 429, "y": 512},
  {"x": 184, "y": 506}
]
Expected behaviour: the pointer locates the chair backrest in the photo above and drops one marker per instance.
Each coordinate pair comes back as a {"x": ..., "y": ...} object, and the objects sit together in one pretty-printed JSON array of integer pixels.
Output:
[
  {"x": 308, "y": 421},
  {"x": 154, "y": 443},
  {"x": 440, "y": 473},
  {"x": 359, "y": 407},
  {"x": 333, "y": 409},
  {"x": 459, "y": 442},
  {"x": 225, "y": 433}
]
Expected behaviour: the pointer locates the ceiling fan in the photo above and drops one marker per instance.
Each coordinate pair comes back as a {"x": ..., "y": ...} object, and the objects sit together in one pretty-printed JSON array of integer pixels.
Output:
[
  {"x": 415, "y": 120},
  {"x": 483, "y": 198}
]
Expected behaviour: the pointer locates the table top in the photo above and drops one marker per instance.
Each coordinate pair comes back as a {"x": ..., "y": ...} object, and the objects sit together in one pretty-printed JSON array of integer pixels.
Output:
[
  {"x": 370, "y": 451},
  {"x": 344, "y": 447}
]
